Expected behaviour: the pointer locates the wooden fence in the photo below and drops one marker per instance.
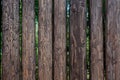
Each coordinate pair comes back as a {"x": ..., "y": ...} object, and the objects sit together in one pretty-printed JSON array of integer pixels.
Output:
[{"x": 103, "y": 61}]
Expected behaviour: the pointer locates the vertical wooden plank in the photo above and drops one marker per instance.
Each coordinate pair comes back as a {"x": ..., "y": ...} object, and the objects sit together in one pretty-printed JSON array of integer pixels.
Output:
[
  {"x": 28, "y": 40},
  {"x": 59, "y": 39},
  {"x": 10, "y": 40},
  {"x": 96, "y": 41},
  {"x": 113, "y": 40},
  {"x": 78, "y": 40},
  {"x": 45, "y": 39}
]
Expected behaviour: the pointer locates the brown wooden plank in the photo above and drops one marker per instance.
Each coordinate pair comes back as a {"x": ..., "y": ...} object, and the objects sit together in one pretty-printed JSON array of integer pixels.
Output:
[
  {"x": 113, "y": 40},
  {"x": 10, "y": 40},
  {"x": 96, "y": 41},
  {"x": 78, "y": 40},
  {"x": 59, "y": 39},
  {"x": 45, "y": 39},
  {"x": 28, "y": 40}
]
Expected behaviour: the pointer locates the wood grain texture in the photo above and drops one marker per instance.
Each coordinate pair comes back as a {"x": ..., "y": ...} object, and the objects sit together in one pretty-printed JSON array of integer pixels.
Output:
[
  {"x": 59, "y": 39},
  {"x": 113, "y": 40},
  {"x": 45, "y": 40},
  {"x": 96, "y": 41},
  {"x": 10, "y": 40},
  {"x": 78, "y": 40},
  {"x": 28, "y": 40}
]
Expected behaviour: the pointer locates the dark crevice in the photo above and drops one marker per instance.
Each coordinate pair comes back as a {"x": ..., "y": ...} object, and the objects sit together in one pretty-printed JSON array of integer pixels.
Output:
[
  {"x": 88, "y": 40},
  {"x": 36, "y": 37},
  {"x": 52, "y": 39},
  {"x": 1, "y": 40},
  {"x": 20, "y": 35},
  {"x": 68, "y": 39},
  {"x": 104, "y": 40}
]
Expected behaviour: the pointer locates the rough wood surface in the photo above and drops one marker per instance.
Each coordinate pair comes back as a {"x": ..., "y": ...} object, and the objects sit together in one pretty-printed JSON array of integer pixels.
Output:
[
  {"x": 96, "y": 41},
  {"x": 59, "y": 39},
  {"x": 45, "y": 40},
  {"x": 113, "y": 40},
  {"x": 10, "y": 40},
  {"x": 28, "y": 40},
  {"x": 78, "y": 40}
]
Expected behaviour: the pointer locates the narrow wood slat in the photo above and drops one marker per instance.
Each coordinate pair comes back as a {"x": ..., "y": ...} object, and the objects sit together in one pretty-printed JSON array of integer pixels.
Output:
[
  {"x": 45, "y": 40},
  {"x": 113, "y": 40},
  {"x": 59, "y": 39},
  {"x": 10, "y": 40},
  {"x": 96, "y": 41},
  {"x": 28, "y": 40},
  {"x": 78, "y": 40}
]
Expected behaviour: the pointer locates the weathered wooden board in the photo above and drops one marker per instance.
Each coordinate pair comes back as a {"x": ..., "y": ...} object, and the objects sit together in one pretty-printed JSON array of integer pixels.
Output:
[
  {"x": 59, "y": 40},
  {"x": 96, "y": 40},
  {"x": 113, "y": 40},
  {"x": 10, "y": 40},
  {"x": 78, "y": 40},
  {"x": 45, "y": 40},
  {"x": 28, "y": 40}
]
